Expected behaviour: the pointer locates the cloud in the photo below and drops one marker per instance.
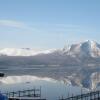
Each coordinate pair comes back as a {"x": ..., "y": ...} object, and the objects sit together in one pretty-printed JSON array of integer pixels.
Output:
[
  {"x": 43, "y": 28},
  {"x": 12, "y": 23},
  {"x": 17, "y": 25}
]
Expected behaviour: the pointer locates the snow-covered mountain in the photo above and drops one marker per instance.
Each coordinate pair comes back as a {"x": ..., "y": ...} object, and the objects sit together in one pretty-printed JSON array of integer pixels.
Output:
[
  {"x": 84, "y": 53},
  {"x": 86, "y": 48}
]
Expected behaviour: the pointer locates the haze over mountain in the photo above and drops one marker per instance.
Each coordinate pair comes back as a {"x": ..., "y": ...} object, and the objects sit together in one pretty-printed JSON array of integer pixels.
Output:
[{"x": 79, "y": 63}]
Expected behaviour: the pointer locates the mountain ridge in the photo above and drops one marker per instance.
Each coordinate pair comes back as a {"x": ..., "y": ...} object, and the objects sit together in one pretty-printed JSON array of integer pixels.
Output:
[{"x": 86, "y": 48}]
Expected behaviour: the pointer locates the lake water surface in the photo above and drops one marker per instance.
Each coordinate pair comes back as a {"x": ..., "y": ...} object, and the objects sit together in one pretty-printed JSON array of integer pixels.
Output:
[{"x": 51, "y": 89}]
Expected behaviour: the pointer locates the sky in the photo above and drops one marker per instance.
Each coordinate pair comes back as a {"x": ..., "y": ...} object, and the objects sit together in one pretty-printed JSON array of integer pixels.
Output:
[{"x": 47, "y": 24}]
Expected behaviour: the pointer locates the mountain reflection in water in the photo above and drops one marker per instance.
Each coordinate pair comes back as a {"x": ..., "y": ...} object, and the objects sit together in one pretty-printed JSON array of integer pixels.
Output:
[{"x": 51, "y": 89}]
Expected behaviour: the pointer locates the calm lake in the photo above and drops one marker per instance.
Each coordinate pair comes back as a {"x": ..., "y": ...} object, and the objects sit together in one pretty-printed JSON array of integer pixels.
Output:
[{"x": 51, "y": 89}]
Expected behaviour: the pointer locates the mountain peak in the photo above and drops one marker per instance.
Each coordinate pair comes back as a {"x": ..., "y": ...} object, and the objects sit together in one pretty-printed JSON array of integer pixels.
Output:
[
  {"x": 89, "y": 42},
  {"x": 86, "y": 48}
]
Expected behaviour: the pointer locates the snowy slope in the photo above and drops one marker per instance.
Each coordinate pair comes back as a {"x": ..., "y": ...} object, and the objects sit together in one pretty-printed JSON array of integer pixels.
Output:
[
  {"x": 86, "y": 48},
  {"x": 22, "y": 52}
]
